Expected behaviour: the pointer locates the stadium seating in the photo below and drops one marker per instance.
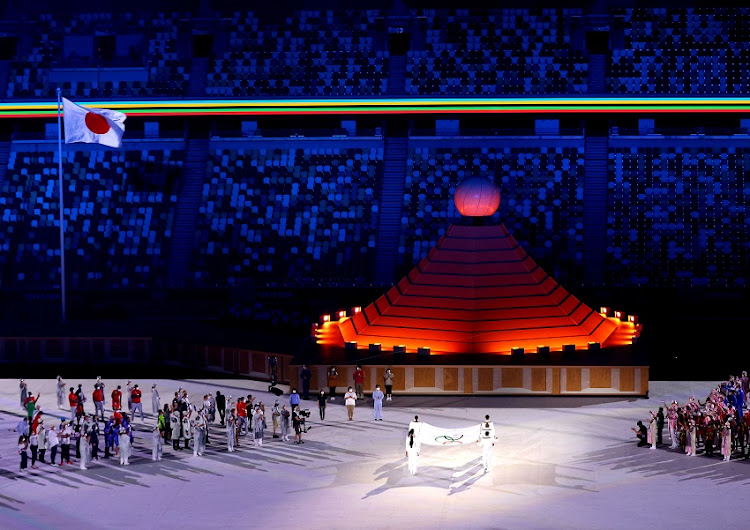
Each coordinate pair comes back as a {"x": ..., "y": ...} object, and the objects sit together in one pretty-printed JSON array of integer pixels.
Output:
[
  {"x": 682, "y": 51},
  {"x": 300, "y": 215},
  {"x": 119, "y": 213},
  {"x": 678, "y": 216},
  {"x": 167, "y": 72},
  {"x": 312, "y": 54},
  {"x": 496, "y": 52}
]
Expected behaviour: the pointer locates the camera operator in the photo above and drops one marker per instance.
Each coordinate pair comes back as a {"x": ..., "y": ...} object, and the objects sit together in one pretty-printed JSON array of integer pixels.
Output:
[{"x": 297, "y": 422}]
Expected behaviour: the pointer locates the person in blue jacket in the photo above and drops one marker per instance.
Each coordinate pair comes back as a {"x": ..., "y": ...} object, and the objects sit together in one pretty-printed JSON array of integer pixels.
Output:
[
  {"x": 294, "y": 399},
  {"x": 111, "y": 439},
  {"x": 377, "y": 397}
]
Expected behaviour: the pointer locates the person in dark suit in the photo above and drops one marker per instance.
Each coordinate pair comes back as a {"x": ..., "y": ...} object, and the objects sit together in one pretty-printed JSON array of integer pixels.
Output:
[
  {"x": 305, "y": 375},
  {"x": 221, "y": 405},
  {"x": 659, "y": 425}
]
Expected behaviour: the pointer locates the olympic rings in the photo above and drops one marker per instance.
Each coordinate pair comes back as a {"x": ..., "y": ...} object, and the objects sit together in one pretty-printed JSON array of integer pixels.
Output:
[{"x": 449, "y": 439}]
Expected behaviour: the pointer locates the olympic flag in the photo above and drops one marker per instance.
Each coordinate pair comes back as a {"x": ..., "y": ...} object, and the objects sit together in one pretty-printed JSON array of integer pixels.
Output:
[{"x": 431, "y": 435}]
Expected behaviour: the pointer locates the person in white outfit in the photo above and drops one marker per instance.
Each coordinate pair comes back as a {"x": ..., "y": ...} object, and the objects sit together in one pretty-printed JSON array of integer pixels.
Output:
[
  {"x": 187, "y": 429},
  {"x": 652, "y": 430},
  {"x": 52, "y": 443},
  {"x": 487, "y": 442},
  {"x": 411, "y": 451},
  {"x": 85, "y": 448},
  {"x": 199, "y": 425},
  {"x": 416, "y": 426},
  {"x": 230, "y": 422},
  {"x": 156, "y": 438},
  {"x": 129, "y": 388},
  {"x": 60, "y": 392},
  {"x": 155, "y": 400},
  {"x": 692, "y": 439},
  {"x": 377, "y": 397},
  {"x": 124, "y": 440}
]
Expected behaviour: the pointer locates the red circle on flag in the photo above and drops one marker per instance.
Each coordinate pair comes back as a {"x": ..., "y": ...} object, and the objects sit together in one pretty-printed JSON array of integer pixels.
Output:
[{"x": 96, "y": 123}]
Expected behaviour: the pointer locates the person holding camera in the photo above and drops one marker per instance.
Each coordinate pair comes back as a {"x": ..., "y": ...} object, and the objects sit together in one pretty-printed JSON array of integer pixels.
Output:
[
  {"x": 388, "y": 381},
  {"x": 297, "y": 424}
]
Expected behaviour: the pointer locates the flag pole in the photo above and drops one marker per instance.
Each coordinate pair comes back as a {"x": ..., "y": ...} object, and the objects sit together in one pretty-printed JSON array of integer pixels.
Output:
[{"x": 62, "y": 216}]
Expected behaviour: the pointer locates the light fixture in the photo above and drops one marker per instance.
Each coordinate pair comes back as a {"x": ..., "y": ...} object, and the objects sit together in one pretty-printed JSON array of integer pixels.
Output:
[
  {"x": 341, "y": 314},
  {"x": 326, "y": 318}
]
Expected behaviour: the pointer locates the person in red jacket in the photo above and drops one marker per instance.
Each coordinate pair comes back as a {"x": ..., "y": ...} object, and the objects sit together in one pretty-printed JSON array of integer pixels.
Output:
[
  {"x": 359, "y": 382},
  {"x": 98, "y": 401},
  {"x": 73, "y": 402},
  {"x": 117, "y": 398},
  {"x": 135, "y": 397},
  {"x": 242, "y": 416}
]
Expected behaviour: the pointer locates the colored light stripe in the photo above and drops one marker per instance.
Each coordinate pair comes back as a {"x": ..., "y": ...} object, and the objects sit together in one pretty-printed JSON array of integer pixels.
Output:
[{"x": 390, "y": 106}]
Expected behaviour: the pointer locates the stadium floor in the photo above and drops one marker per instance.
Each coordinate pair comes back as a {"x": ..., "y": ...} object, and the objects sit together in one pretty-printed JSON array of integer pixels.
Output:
[{"x": 559, "y": 463}]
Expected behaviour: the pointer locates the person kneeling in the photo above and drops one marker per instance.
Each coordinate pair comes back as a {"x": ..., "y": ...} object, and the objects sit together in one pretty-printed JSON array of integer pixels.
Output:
[{"x": 641, "y": 433}]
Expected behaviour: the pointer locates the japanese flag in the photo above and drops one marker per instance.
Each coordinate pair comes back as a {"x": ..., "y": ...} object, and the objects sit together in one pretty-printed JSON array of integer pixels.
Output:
[{"x": 100, "y": 126}]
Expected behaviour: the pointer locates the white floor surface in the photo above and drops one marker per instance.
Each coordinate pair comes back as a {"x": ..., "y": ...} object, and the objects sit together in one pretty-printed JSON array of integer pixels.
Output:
[{"x": 559, "y": 463}]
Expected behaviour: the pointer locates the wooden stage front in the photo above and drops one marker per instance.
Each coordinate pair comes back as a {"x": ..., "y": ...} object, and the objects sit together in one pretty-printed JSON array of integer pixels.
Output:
[{"x": 607, "y": 372}]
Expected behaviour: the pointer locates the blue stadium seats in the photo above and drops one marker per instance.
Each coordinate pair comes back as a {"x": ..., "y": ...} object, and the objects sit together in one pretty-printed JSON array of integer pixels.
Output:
[
  {"x": 304, "y": 215},
  {"x": 312, "y": 53},
  {"x": 119, "y": 210},
  {"x": 700, "y": 51},
  {"x": 678, "y": 216},
  {"x": 496, "y": 52}
]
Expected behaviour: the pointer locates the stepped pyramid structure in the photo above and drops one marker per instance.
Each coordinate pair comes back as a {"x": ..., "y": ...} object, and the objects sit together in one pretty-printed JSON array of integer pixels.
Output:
[{"x": 478, "y": 291}]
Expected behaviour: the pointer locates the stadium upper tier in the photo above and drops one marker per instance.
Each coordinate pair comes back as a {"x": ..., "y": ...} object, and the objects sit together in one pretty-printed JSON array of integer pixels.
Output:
[
  {"x": 308, "y": 212},
  {"x": 373, "y": 53}
]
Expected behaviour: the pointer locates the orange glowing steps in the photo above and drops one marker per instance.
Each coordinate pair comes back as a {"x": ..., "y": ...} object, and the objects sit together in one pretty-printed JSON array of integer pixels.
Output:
[{"x": 478, "y": 291}]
